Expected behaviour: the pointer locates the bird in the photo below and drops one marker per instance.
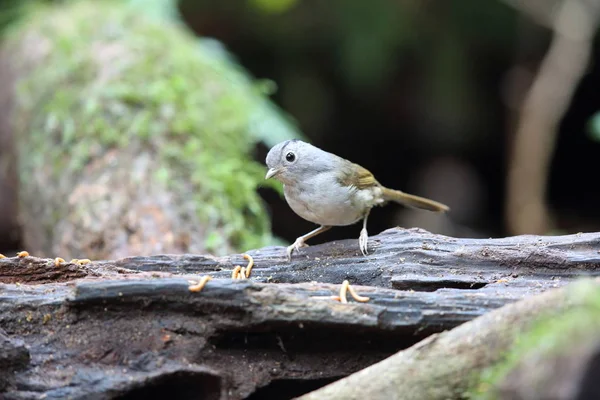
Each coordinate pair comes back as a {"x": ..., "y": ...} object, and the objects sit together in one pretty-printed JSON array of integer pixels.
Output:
[{"x": 329, "y": 190}]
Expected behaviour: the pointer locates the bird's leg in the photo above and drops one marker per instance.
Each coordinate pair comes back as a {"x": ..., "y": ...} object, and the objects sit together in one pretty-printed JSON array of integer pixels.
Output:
[
  {"x": 364, "y": 236},
  {"x": 300, "y": 242}
]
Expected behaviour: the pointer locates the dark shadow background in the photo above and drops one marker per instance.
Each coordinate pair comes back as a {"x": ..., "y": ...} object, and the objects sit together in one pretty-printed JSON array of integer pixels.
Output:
[{"x": 424, "y": 94}]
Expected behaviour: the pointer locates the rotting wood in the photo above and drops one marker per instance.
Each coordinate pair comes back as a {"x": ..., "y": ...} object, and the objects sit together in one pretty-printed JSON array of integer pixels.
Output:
[
  {"x": 447, "y": 365},
  {"x": 14, "y": 356},
  {"x": 279, "y": 329}
]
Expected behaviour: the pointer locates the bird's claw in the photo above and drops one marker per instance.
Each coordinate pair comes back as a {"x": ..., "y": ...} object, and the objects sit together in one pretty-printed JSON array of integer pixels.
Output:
[
  {"x": 295, "y": 246},
  {"x": 362, "y": 242}
]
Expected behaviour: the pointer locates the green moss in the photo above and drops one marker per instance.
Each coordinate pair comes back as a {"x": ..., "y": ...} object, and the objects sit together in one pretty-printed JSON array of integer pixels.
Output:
[
  {"x": 113, "y": 77},
  {"x": 550, "y": 335}
]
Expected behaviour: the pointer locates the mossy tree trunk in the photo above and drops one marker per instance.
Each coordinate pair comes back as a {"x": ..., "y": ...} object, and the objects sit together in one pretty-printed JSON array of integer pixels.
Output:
[{"x": 132, "y": 136}]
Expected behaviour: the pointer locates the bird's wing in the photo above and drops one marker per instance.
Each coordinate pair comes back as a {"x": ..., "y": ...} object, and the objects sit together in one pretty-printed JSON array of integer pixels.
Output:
[{"x": 354, "y": 175}]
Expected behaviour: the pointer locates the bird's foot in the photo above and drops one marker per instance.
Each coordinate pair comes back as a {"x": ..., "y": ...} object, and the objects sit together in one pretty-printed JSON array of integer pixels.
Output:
[
  {"x": 295, "y": 246},
  {"x": 362, "y": 242}
]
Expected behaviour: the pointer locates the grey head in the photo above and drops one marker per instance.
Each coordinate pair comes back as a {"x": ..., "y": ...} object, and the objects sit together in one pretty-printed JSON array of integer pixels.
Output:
[{"x": 294, "y": 160}]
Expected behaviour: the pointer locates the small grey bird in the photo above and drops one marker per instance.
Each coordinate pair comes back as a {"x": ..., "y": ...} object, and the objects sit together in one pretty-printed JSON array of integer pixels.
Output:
[{"x": 330, "y": 191}]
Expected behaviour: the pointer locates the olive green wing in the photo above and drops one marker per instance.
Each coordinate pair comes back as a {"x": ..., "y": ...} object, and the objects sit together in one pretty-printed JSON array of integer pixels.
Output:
[{"x": 354, "y": 175}]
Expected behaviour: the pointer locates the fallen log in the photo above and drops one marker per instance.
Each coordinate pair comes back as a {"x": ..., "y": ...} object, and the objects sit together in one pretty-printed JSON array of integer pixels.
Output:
[
  {"x": 403, "y": 259},
  {"x": 276, "y": 334}
]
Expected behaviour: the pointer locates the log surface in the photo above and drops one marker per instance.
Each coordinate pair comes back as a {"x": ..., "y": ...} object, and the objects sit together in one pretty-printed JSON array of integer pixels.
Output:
[
  {"x": 125, "y": 328},
  {"x": 454, "y": 364}
]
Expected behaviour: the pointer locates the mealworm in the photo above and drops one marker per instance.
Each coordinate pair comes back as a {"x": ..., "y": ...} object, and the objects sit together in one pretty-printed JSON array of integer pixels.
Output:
[
  {"x": 250, "y": 264},
  {"x": 200, "y": 285},
  {"x": 356, "y": 296},
  {"x": 343, "y": 291}
]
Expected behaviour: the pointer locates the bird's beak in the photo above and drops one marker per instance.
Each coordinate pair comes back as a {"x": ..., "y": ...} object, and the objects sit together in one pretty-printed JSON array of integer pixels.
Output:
[{"x": 273, "y": 172}]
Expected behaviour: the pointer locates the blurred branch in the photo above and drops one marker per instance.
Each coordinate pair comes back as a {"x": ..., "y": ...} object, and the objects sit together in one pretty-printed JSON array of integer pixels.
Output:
[{"x": 549, "y": 96}]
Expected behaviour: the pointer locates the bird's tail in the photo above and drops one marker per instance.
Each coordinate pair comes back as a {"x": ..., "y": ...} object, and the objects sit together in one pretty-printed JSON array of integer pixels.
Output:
[{"x": 413, "y": 201}]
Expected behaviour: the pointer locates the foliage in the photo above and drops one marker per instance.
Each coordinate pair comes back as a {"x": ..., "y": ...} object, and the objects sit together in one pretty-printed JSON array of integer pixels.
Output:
[
  {"x": 273, "y": 6},
  {"x": 128, "y": 78},
  {"x": 550, "y": 335}
]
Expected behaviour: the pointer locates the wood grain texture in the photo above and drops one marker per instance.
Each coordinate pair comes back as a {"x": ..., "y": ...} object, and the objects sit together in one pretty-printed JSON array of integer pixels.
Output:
[{"x": 277, "y": 333}]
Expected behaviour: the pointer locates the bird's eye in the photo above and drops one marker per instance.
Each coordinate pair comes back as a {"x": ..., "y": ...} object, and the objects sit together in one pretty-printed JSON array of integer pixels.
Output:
[{"x": 290, "y": 157}]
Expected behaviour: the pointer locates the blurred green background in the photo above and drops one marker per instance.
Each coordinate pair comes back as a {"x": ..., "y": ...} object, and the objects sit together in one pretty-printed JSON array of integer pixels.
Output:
[{"x": 425, "y": 94}]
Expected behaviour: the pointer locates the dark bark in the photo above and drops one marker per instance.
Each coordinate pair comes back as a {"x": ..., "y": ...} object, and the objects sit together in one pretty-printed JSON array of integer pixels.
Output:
[
  {"x": 448, "y": 365},
  {"x": 408, "y": 259},
  {"x": 276, "y": 334},
  {"x": 14, "y": 356}
]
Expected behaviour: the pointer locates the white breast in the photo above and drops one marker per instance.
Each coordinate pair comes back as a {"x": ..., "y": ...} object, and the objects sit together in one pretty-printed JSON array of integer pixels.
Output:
[{"x": 322, "y": 200}]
